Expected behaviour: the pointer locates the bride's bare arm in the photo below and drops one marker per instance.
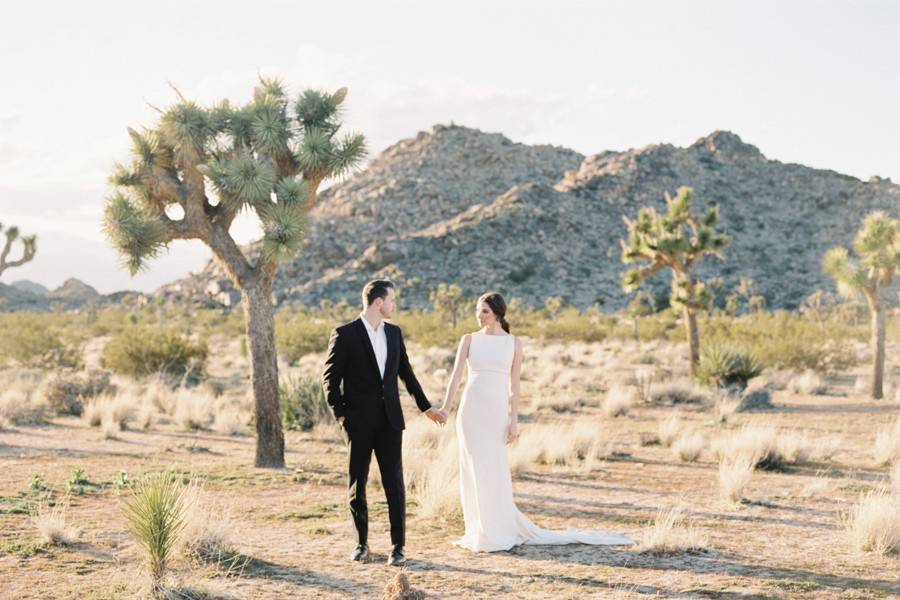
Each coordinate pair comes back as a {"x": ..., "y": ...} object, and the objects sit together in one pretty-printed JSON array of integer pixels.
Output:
[
  {"x": 462, "y": 351},
  {"x": 514, "y": 386}
]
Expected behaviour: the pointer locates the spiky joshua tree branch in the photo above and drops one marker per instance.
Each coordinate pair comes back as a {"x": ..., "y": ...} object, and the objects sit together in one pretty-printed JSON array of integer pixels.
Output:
[
  {"x": 268, "y": 156},
  {"x": 29, "y": 248}
]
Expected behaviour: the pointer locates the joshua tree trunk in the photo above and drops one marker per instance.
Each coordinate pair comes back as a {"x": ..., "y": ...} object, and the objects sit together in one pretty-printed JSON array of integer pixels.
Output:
[
  {"x": 877, "y": 348},
  {"x": 693, "y": 337},
  {"x": 260, "y": 317}
]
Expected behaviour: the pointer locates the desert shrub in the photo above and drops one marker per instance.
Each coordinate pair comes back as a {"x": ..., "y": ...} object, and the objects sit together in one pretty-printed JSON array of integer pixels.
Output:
[
  {"x": 724, "y": 367},
  {"x": 142, "y": 351},
  {"x": 33, "y": 341},
  {"x": 66, "y": 392},
  {"x": 678, "y": 392},
  {"x": 303, "y": 404},
  {"x": 300, "y": 334},
  {"x": 782, "y": 340}
]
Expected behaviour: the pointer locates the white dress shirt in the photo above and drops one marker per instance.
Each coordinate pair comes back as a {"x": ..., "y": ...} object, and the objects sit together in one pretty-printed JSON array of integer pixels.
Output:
[{"x": 379, "y": 342}]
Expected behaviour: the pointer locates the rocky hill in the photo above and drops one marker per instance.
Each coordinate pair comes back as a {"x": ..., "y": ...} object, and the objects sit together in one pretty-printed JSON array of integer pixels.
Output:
[
  {"x": 458, "y": 205},
  {"x": 72, "y": 294}
]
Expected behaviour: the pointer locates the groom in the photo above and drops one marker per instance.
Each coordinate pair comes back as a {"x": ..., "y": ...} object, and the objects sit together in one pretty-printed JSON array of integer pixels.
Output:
[{"x": 367, "y": 355}]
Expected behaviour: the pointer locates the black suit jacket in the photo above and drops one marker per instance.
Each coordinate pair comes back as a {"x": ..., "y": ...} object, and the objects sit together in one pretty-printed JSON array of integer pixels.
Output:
[{"x": 351, "y": 361}]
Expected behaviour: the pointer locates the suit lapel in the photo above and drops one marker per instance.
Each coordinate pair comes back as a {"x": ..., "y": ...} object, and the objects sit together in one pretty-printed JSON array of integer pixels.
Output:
[{"x": 367, "y": 344}]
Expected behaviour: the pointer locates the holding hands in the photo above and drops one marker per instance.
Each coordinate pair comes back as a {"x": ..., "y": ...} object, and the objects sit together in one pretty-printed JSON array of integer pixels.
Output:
[{"x": 438, "y": 415}]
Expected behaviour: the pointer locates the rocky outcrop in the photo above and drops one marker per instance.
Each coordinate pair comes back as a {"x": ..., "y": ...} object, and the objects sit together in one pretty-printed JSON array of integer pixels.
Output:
[{"x": 458, "y": 205}]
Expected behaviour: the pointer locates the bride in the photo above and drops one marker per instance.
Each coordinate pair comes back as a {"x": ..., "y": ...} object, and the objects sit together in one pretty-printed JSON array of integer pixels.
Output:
[{"x": 485, "y": 423}]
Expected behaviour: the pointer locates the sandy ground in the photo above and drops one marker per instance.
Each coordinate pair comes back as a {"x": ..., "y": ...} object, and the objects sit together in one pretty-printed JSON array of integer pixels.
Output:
[{"x": 293, "y": 524}]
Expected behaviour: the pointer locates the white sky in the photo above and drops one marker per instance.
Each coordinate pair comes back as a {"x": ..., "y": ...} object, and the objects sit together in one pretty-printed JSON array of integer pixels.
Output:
[{"x": 812, "y": 82}]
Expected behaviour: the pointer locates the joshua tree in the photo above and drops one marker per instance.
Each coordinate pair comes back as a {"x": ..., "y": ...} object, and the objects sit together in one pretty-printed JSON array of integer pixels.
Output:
[
  {"x": 268, "y": 156},
  {"x": 448, "y": 299},
  {"x": 29, "y": 247},
  {"x": 870, "y": 273},
  {"x": 676, "y": 241}
]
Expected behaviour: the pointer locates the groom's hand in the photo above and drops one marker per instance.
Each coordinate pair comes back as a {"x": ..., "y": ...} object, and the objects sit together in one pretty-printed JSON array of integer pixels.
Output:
[{"x": 436, "y": 415}]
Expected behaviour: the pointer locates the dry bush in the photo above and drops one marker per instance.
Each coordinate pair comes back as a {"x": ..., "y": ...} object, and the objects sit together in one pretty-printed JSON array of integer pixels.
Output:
[
  {"x": 21, "y": 404},
  {"x": 873, "y": 524},
  {"x": 734, "y": 476},
  {"x": 670, "y": 533},
  {"x": 688, "y": 446},
  {"x": 399, "y": 589},
  {"x": 756, "y": 445},
  {"x": 53, "y": 527},
  {"x": 669, "y": 429},
  {"x": 66, "y": 392},
  {"x": 808, "y": 383},
  {"x": 678, "y": 391},
  {"x": 557, "y": 402},
  {"x": 619, "y": 400}
]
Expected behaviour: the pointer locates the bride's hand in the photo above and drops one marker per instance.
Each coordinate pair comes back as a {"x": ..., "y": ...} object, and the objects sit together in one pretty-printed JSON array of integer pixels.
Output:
[{"x": 512, "y": 432}]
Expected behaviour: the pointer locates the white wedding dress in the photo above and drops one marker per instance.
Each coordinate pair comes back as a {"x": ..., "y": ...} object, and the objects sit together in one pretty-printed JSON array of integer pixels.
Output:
[{"x": 492, "y": 520}]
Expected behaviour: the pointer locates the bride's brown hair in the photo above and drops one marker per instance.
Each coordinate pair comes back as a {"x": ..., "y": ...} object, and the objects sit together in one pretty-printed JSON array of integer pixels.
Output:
[{"x": 498, "y": 306}]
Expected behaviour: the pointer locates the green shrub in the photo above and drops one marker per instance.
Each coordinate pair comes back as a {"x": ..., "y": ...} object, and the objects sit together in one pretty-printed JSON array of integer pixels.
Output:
[
  {"x": 144, "y": 351},
  {"x": 300, "y": 334},
  {"x": 727, "y": 368},
  {"x": 303, "y": 404},
  {"x": 33, "y": 341}
]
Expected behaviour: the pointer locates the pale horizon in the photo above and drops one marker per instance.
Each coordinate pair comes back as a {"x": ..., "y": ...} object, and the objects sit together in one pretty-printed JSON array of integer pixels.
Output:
[{"x": 807, "y": 83}]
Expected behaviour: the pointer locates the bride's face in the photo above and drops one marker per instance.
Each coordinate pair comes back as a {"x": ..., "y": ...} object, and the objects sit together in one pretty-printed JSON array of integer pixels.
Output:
[{"x": 484, "y": 314}]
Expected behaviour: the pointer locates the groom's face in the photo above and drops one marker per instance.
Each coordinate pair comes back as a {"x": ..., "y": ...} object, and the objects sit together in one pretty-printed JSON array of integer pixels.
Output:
[{"x": 388, "y": 304}]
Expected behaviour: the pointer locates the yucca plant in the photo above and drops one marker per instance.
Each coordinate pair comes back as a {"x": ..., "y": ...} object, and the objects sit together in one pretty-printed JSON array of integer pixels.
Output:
[
  {"x": 155, "y": 513},
  {"x": 676, "y": 241},
  {"x": 726, "y": 368},
  {"x": 198, "y": 167},
  {"x": 29, "y": 248},
  {"x": 870, "y": 274}
]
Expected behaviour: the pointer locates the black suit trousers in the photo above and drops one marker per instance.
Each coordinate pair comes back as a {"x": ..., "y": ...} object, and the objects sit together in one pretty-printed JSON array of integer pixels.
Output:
[{"x": 368, "y": 432}]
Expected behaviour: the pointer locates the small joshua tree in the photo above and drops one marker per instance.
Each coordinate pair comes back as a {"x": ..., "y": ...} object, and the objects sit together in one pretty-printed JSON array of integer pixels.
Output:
[
  {"x": 676, "y": 241},
  {"x": 870, "y": 273},
  {"x": 208, "y": 164},
  {"x": 448, "y": 300},
  {"x": 29, "y": 247}
]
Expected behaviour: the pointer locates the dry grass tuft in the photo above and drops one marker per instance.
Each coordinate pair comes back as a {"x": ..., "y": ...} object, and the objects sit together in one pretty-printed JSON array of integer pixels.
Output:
[
  {"x": 808, "y": 383},
  {"x": 734, "y": 476},
  {"x": 886, "y": 449},
  {"x": 669, "y": 430},
  {"x": 873, "y": 524},
  {"x": 689, "y": 446},
  {"x": 52, "y": 526},
  {"x": 619, "y": 400},
  {"x": 670, "y": 533}
]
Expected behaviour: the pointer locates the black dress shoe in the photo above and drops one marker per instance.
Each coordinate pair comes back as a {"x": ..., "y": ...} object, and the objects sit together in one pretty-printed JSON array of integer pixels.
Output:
[
  {"x": 396, "y": 558},
  {"x": 361, "y": 553}
]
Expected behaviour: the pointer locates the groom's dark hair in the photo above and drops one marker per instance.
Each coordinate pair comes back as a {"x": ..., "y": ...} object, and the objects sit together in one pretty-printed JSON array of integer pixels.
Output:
[{"x": 377, "y": 288}]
